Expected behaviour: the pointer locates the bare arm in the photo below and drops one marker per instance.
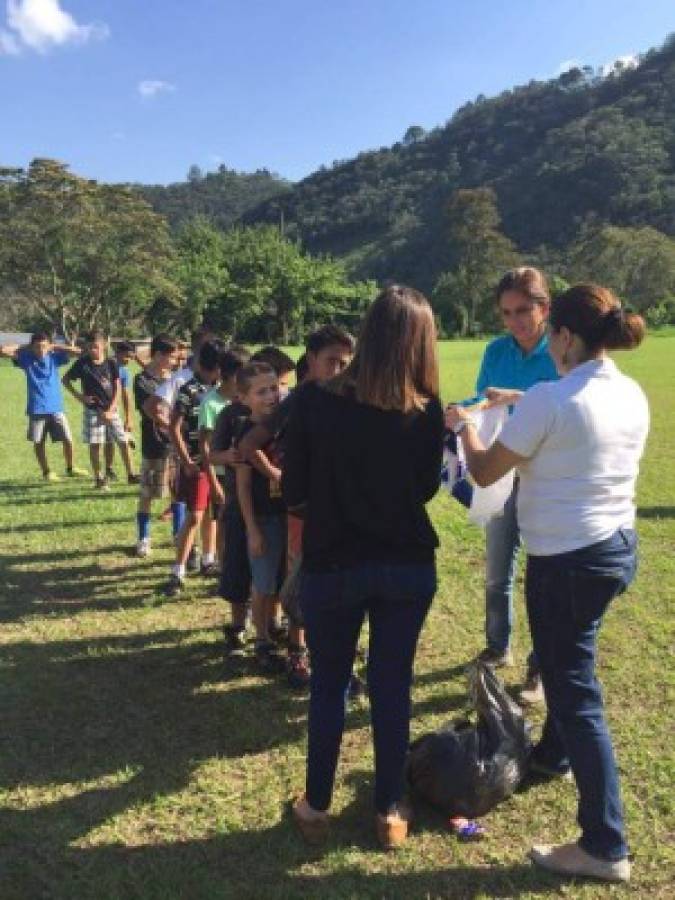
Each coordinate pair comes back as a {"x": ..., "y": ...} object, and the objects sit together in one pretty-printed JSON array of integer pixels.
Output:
[
  {"x": 485, "y": 465},
  {"x": 126, "y": 406},
  {"x": 176, "y": 436},
  {"x": 205, "y": 437},
  {"x": 156, "y": 409},
  {"x": 67, "y": 382},
  {"x": 9, "y": 350},
  {"x": 245, "y": 497}
]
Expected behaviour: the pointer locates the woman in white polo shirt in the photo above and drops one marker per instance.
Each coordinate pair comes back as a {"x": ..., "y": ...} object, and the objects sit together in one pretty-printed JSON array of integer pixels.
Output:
[{"x": 577, "y": 444}]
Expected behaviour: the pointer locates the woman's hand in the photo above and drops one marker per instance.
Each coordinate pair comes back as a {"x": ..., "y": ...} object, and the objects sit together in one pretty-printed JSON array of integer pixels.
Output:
[
  {"x": 454, "y": 415},
  {"x": 501, "y": 397}
]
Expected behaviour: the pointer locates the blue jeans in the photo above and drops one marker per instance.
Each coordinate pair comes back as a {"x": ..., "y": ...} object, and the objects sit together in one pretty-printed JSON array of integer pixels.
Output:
[
  {"x": 502, "y": 543},
  {"x": 567, "y": 595},
  {"x": 396, "y": 599}
]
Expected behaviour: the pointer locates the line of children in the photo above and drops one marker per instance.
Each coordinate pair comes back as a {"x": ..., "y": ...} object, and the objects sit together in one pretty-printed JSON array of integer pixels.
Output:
[{"x": 40, "y": 361}]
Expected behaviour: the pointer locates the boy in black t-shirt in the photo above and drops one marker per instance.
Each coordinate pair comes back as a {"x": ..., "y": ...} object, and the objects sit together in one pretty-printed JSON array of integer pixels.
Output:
[
  {"x": 100, "y": 390},
  {"x": 157, "y": 469}
]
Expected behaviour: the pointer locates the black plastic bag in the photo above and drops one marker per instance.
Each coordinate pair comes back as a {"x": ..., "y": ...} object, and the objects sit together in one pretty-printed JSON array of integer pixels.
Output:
[{"x": 466, "y": 769}]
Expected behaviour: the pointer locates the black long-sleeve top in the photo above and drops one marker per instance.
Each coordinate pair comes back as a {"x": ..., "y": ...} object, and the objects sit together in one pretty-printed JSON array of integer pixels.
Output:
[{"x": 364, "y": 476}]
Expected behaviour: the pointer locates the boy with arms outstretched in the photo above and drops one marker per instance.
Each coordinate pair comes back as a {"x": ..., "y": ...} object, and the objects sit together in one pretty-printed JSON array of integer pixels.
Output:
[{"x": 40, "y": 360}]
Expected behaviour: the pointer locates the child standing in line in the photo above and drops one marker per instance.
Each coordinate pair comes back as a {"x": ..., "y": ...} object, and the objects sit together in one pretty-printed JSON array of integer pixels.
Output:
[
  {"x": 214, "y": 402},
  {"x": 193, "y": 482},
  {"x": 40, "y": 361},
  {"x": 124, "y": 353},
  {"x": 264, "y": 514},
  {"x": 157, "y": 467},
  {"x": 99, "y": 395}
]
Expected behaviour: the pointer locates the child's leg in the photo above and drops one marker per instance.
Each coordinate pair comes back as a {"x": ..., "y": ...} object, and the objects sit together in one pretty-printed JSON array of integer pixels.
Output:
[
  {"x": 185, "y": 539},
  {"x": 68, "y": 454},
  {"x": 143, "y": 518},
  {"x": 208, "y": 532},
  {"x": 260, "y": 614},
  {"x": 41, "y": 453},
  {"x": 109, "y": 453},
  {"x": 95, "y": 458}
]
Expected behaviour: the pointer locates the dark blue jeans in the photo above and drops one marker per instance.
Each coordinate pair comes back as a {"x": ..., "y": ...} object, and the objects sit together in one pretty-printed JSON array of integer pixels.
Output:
[
  {"x": 396, "y": 599},
  {"x": 567, "y": 595}
]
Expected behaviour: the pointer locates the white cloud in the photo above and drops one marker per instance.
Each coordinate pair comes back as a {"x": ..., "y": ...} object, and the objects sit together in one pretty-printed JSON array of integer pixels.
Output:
[
  {"x": 9, "y": 46},
  {"x": 627, "y": 61},
  {"x": 42, "y": 24},
  {"x": 152, "y": 87},
  {"x": 566, "y": 65}
]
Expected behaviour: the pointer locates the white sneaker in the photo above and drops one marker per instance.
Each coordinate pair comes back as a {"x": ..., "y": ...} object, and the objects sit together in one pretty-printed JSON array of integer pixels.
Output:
[
  {"x": 143, "y": 548},
  {"x": 571, "y": 859}
]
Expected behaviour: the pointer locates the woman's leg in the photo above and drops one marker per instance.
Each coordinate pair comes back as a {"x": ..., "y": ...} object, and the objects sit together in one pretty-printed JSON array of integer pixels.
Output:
[
  {"x": 333, "y": 620},
  {"x": 502, "y": 542},
  {"x": 396, "y": 617},
  {"x": 565, "y": 607}
]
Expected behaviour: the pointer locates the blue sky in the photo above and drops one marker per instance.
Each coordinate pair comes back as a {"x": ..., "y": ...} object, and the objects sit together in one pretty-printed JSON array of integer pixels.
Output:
[{"x": 138, "y": 90}]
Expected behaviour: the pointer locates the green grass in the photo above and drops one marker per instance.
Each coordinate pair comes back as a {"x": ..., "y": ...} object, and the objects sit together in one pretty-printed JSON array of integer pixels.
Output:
[{"x": 132, "y": 766}]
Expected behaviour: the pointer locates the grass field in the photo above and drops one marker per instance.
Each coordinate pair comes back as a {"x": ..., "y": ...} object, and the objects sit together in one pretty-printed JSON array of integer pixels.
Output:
[{"x": 133, "y": 766}]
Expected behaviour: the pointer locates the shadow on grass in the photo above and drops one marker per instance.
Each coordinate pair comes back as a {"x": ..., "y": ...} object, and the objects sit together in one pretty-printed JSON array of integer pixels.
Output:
[
  {"x": 147, "y": 711},
  {"x": 53, "y": 583},
  {"x": 656, "y": 512}
]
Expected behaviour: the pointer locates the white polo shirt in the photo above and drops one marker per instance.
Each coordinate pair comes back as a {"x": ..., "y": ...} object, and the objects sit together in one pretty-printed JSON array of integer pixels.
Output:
[{"x": 583, "y": 437}]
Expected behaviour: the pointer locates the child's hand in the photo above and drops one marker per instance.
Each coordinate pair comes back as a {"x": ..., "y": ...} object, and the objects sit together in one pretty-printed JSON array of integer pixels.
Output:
[
  {"x": 232, "y": 457},
  {"x": 256, "y": 543},
  {"x": 501, "y": 396}
]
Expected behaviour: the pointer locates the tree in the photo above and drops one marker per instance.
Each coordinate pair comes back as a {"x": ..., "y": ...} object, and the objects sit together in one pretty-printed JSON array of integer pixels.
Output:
[
  {"x": 637, "y": 263},
  {"x": 199, "y": 271},
  {"x": 479, "y": 252},
  {"x": 82, "y": 255},
  {"x": 414, "y": 134}
]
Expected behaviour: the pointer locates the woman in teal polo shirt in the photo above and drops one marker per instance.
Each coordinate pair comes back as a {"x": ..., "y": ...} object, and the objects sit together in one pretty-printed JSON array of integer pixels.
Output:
[{"x": 511, "y": 364}]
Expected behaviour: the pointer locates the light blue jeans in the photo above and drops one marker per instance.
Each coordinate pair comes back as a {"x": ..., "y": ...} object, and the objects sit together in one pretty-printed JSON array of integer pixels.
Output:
[{"x": 502, "y": 543}]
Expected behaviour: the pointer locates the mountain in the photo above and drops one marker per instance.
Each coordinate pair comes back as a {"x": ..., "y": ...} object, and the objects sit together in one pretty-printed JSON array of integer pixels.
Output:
[
  {"x": 581, "y": 147},
  {"x": 223, "y": 196}
]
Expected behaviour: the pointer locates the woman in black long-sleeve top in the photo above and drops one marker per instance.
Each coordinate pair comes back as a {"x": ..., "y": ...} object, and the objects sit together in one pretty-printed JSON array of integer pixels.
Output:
[{"x": 362, "y": 458}]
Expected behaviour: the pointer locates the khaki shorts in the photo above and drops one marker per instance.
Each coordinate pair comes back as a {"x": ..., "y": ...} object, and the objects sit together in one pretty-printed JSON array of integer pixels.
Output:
[
  {"x": 157, "y": 477},
  {"x": 53, "y": 424}
]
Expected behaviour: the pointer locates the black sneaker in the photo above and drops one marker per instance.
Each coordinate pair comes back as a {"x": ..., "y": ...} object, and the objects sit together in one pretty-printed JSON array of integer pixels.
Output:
[
  {"x": 496, "y": 659},
  {"x": 111, "y": 475},
  {"x": 235, "y": 642},
  {"x": 174, "y": 586},
  {"x": 209, "y": 570},
  {"x": 297, "y": 671},
  {"x": 194, "y": 561},
  {"x": 101, "y": 484},
  {"x": 269, "y": 659},
  {"x": 133, "y": 479}
]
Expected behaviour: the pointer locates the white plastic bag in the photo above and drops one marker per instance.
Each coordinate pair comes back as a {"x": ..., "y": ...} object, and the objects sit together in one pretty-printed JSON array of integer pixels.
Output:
[{"x": 483, "y": 503}]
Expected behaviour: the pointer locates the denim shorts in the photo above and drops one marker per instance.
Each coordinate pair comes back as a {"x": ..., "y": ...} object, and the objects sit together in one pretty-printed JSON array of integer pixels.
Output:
[{"x": 266, "y": 569}]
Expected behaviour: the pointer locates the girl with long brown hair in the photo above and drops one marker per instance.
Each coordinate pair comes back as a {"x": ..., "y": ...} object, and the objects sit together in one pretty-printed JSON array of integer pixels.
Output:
[{"x": 363, "y": 457}]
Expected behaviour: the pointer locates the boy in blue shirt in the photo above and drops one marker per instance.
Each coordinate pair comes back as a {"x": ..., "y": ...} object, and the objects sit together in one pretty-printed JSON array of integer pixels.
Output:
[{"x": 40, "y": 360}]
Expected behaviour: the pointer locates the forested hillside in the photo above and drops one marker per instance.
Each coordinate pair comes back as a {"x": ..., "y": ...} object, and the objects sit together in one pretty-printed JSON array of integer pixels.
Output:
[
  {"x": 223, "y": 196},
  {"x": 581, "y": 148}
]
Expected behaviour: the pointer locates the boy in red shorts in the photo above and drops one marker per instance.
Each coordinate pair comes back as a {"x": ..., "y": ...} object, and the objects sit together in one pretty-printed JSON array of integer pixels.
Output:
[{"x": 193, "y": 483}]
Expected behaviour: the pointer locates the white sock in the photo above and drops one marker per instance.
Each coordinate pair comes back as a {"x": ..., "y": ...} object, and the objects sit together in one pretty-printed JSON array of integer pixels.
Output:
[
  {"x": 208, "y": 559},
  {"x": 178, "y": 570}
]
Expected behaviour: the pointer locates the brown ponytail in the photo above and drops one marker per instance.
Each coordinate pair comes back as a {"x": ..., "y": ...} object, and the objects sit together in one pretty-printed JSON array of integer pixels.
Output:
[{"x": 597, "y": 317}]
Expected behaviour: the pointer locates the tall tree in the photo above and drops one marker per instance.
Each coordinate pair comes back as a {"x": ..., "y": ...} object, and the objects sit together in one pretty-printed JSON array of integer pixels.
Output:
[
  {"x": 82, "y": 255},
  {"x": 479, "y": 252}
]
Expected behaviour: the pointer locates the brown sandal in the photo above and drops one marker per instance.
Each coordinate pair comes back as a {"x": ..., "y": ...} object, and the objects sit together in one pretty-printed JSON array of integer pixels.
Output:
[
  {"x": 312, "y": 824},
  {"x": 392, "y": 829}
]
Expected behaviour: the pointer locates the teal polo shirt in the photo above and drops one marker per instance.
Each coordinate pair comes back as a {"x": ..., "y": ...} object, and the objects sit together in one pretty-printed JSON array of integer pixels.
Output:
[{"x": 505, "y": 365}]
